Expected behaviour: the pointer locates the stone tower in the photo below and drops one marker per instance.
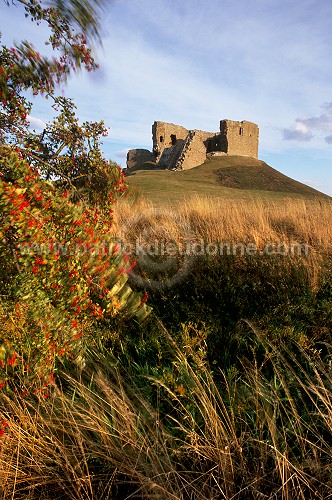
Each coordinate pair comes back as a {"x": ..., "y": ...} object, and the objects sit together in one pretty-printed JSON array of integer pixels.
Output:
[{"x": 239, "y": 138}]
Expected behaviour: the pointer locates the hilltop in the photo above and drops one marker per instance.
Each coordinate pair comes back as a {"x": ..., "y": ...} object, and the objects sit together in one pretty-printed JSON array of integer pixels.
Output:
[{"x": 219, "y": 176}]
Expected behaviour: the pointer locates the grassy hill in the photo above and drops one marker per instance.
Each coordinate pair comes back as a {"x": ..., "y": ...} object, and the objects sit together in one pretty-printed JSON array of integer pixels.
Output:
[{"x": 221, "y": 177}]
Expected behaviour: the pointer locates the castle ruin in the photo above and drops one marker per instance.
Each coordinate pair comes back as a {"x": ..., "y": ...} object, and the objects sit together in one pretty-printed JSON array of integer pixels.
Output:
[{"x": 176, "y": 148}]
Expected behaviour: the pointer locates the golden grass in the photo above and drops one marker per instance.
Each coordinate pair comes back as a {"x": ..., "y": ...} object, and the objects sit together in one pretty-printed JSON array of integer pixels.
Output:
[
  {"x": 74, "y": 446},
  {"x": 220, "y": 220},
  {"x": 260, "y": 444},
  {"x": 291, "y": 227}
]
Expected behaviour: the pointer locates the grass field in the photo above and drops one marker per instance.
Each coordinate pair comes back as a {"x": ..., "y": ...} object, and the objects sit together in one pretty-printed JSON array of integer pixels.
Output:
[
  {"x": 225, "y": 391},
  {"x": 260, "y": 221},
  {"x": 227, "y": 177}
]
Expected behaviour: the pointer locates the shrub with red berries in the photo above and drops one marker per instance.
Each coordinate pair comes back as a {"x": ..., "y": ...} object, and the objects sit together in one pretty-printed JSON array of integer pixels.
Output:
[{"x": 61, "y": 272}]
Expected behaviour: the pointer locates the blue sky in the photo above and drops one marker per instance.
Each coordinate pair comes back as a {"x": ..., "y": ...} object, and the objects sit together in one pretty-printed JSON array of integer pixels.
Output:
[{"x": 194, "y": 63}]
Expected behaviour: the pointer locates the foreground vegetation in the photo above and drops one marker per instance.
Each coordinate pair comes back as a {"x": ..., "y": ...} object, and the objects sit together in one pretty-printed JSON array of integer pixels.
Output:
[
  {"x": 223, "y": 392},
  {"x": 263, "y": 432}
]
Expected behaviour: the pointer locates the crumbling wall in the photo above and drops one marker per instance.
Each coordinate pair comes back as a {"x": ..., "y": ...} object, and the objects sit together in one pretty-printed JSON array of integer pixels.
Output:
[
  {"x": 136, "y": 157},
  {"x": 239, "y": 138},
  {"x": 216, "y": 142},
  {"x": 176, "y": 147},
  {"x": 168, "y": 140},
  {"x": 195, "y": 153}
]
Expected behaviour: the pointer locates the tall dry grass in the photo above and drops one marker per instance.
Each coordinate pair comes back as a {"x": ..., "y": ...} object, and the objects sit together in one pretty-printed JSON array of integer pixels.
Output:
[
  {"x": 261, "y": 222},
  {"x": 257, "y": 221},
  {"x": 290, "y": 227},
  {"x": 264, "y": 434},
  {"x": 76, "y": 444}
]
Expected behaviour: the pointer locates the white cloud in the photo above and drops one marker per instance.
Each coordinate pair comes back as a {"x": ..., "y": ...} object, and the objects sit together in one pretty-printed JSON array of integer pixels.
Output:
[
  {"x": 36, "y": 123},
  {"x": 298, "y": 133},
  {"x": 304, "y": 127},
  {"x": 122, "y": 153}
]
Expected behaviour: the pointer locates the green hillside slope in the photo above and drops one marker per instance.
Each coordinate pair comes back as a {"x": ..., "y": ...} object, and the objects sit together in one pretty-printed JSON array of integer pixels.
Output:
[{"x": 220, "y": 176}]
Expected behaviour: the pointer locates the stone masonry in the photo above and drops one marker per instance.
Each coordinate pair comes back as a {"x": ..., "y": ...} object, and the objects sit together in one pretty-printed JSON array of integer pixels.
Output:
[
  {"x": 240, "y": 138},
  {"x": 175, "y": 147},
  {"x": 138, "y": 156}
]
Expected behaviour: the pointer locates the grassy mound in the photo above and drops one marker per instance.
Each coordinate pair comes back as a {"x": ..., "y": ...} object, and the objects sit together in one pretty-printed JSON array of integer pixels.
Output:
[{"x": 225, "y": 177}]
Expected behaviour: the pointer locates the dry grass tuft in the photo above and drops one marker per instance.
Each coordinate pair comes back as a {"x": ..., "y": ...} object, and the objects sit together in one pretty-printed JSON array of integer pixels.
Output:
[
  {"x": 257, "y": 436},
  {"x": 76, "y": 444},
  {"x": 220, "y": 220}
]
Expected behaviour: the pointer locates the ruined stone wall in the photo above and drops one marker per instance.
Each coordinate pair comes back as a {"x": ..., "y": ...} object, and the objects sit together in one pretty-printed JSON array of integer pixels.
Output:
[
  {"x": 196, "y": 152},
  {"x": 170, "y": 155},
  {"x": 168, "y": 140},
  {"x": 176, "y": 147},
  {"x": 239, "y": 138},
  {"x": 136, "y": 157},
  {"x": 216, "y": 142}
]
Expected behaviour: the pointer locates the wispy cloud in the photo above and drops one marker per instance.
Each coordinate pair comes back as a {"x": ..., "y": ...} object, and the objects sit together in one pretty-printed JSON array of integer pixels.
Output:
[
  {"x": 122, "y": 153},
  {"x": 299, "y": 132},
  {"x": 304, "y": 127},
  {"x": 36, "y": 123}
]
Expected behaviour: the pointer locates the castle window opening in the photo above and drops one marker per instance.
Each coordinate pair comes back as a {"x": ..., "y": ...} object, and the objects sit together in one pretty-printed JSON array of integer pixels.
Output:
[
  {"x": 161, "y": 139},
  {"x": 241, "y": 131},
  {"x": 173, "y": 139}
]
